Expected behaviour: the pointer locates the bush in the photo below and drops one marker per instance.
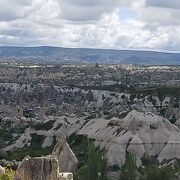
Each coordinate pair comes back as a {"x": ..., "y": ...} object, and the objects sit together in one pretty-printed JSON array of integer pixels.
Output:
[
  {"x": 159, "y": 173},
  {"x": 8, "y": 175},
  {"x": 3, "y": 154},
  {"x": 44, "y": 126},
  {"x": 19, "y": 155}
]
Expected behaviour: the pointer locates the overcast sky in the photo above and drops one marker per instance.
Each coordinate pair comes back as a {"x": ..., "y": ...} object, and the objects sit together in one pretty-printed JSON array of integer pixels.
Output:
[{"x": 116, "y": 24}]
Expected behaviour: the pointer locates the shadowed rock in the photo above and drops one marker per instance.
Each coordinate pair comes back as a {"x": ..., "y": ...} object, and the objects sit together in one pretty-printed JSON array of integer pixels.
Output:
[
  {"x": 137, "y": 133},
  {"x": 53, "y": 167},
  {"x": 38, "y": 168},
  {"x": 67, "y": 159}
]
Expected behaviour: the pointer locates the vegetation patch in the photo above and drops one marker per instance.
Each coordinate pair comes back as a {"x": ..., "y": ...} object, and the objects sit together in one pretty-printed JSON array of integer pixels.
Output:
[
  {"x": 8, "y": 175},
  {"x": 92, "y": 161},
  {"x": 35, "y": 150},
  {"x": 44, "y": 126},
  {"x": 5, "y": 135}
]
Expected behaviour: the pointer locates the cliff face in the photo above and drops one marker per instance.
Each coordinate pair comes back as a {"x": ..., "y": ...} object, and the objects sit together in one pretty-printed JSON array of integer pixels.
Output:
[
  {"x": 39, "y": 168},
  {"x": 138, "y": 133},
  {"x": 120, "y": 123},
  {"x": 57, "y": 166},
  {"x": 66, "y": 158},
  {"x": 63, "y": 100}
]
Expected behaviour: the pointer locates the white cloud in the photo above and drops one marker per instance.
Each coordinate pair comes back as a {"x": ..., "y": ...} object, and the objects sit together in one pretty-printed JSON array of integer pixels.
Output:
[
  {"x": 90, "y": 23},
  {"x": 175, "y": 4},
  {"x": 159, "y": 16},
  {"x": 85, "y": 10},
  {"x": 10, "y": 10}
]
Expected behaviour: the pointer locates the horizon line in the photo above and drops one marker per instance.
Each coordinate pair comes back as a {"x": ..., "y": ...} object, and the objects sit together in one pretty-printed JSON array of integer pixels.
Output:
[{"x": 93, "y": 48}]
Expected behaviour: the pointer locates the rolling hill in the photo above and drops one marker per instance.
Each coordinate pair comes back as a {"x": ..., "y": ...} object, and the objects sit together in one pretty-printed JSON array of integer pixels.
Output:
[{"x": 48, "y": 54}]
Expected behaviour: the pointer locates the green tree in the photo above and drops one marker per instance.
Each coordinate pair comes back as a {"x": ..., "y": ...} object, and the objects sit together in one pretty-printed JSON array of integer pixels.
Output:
[
  {"x": 152, "y": 170},
  {"x": 95, "y": 168},
  {"x": 158, "y": 173},
  {"x": 129, "y": 169}
]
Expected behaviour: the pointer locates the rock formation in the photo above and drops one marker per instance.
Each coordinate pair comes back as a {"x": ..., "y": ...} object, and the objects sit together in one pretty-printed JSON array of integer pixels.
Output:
[
  {"x": 53, "y": 167},
  {"x": 138, "y": 133},
  {"x": 41, "y": 168},
  {"x": 41, "y": 113},
  {"x": 65, "y": 176},
  {"x": 67, "y": 159},
  {"x": 177, "y": 123},
  {"x": 45, "y": 97},
  {"x": 19, "y": 111},
  {"x": 38, "y": 168}
]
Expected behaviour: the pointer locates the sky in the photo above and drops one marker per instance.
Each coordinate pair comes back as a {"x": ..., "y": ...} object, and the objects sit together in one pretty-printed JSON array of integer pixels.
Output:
[{"x": 113, "y": 24}]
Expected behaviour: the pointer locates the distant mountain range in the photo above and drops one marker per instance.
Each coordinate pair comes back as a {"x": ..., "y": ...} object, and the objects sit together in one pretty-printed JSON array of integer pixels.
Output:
[{"x": 47, "y": 54}]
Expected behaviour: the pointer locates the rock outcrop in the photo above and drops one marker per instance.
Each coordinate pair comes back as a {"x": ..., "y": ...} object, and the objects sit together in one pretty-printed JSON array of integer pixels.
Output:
[
  {"x": 73, "y": 100},
  {"x": 57, "y": 126},
  {"x": 41, "y": 168},
  {"x": 177, "y": 123},
  {"x": 38, "y": 168},
  {"x": 65, "y": 176},
  {"x": 67, "y": 159},
  {"x": 57, "y": 166},
  {"x": 138, "y": 133}
]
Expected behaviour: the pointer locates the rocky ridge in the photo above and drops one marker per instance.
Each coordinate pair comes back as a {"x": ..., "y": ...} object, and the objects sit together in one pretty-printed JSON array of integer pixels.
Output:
[
  {"x": 120, "y": 123},
  {"x": 15, "y": 98},
  {"x": 138, "y": 133}
]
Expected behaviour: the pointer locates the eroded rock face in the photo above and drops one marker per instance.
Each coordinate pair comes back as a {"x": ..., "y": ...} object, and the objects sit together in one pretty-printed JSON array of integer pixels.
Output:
[
  {"x": 57, "y": 166},
  {"x": 67, "y": 159},
  {"x": 38, "y": 168},
  {"x": 41, "y": 168},
  {"x": 138, "y": 133},
  {"x": 76, "y": 100},
  {"x": 62, "y": 125},
  {"x": 177, "y": 123}
]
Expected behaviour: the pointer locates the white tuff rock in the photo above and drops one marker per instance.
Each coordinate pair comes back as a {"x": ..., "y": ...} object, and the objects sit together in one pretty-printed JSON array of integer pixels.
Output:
[
  {"x": 138, "y": 133},
  {"x": 67, "y": 159}
]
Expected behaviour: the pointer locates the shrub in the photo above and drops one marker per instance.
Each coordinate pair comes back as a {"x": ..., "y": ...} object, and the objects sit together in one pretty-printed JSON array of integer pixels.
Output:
[
  {"x": 158, "y": 173},
  {"x": 44, "y": 126},
  {"x": 19, "y": 155},
  {"x": 8, "y": 175}
]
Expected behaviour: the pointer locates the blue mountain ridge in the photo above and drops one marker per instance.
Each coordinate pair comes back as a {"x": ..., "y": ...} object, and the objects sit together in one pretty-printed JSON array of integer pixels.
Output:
[{"x": 49, "y": 54}]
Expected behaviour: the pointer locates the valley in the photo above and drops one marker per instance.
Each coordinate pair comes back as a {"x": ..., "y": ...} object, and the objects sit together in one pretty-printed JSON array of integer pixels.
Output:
[{"x": 122, "y": 109}]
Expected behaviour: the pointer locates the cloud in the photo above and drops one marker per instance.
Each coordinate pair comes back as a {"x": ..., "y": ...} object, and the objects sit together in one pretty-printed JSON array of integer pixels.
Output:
[
  {"x": 175, "y": 4},
  {"x": 85, "y": 10},
  {"x": 159, "y": 16},
  {"x": 11, "y": 10},
  {"x": 119, "y": 24}
]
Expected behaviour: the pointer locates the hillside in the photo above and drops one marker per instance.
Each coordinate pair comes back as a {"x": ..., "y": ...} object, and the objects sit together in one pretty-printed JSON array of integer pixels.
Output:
[{"x": 46, "y": 54}]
